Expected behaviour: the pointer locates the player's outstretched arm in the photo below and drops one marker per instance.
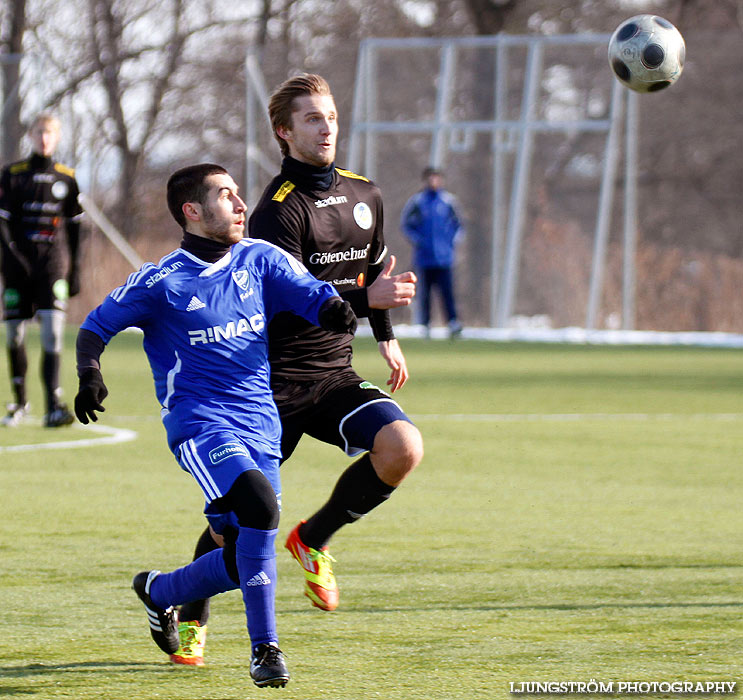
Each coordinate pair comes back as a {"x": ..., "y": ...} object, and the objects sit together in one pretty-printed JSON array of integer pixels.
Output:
[
  {"x": 337, "y": 315},
  {"x": 92, "y": 390},
  {"x": 390, "y": 291}
]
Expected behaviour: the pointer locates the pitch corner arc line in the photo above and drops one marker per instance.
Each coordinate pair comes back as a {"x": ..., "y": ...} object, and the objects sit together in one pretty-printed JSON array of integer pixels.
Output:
[{"x": 110, "y": 436}]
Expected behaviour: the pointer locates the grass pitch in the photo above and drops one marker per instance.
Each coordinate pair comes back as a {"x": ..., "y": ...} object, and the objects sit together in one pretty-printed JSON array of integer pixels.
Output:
[{"x": 577, "y": 516}]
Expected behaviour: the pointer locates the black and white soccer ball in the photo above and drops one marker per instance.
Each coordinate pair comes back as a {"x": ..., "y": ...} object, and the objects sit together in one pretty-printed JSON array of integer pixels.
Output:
[{"x": 647, "y": 53}]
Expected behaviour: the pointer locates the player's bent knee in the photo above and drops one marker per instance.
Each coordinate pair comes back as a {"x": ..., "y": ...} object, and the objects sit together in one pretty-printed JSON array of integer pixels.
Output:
[
  {"x": 253, "y": 501},
  {"x": 398, "y": 449}
]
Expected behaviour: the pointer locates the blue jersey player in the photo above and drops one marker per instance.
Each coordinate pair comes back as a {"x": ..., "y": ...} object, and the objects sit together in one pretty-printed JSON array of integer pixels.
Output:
[
  {"x": 205, "y": 335},
  {"x": 332, "y": 221}
]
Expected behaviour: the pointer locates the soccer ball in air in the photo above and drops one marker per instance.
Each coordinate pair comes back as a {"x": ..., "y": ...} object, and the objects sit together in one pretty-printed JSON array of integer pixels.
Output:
[{"x": 647, "y": 53}]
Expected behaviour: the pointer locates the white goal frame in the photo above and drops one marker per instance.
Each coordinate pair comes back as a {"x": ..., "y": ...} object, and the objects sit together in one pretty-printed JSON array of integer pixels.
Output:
[{"x": 507, "y": 222}]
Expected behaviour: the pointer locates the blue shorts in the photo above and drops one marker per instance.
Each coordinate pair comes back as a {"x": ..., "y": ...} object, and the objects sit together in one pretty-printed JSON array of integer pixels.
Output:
[{"x": 217, "y": 458}]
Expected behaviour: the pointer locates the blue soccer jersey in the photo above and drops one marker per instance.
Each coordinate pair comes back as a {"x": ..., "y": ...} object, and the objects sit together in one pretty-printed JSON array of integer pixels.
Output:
[{"x": 205, "y": 335}]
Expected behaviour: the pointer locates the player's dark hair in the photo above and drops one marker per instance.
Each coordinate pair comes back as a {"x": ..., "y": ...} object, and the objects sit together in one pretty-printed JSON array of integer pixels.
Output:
[
  {"x": 281, "y": 104},
  {"x": 189, "y": 185}
]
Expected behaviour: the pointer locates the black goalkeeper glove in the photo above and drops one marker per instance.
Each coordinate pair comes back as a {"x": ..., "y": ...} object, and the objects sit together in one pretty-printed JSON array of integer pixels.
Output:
[
  {"x": 337, "y": 315},
  {"x": 90, "y": 395}
]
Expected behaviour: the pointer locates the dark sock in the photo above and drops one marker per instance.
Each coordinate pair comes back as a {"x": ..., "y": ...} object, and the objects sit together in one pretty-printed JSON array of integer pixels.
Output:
[
  {"x": 50, "y": 376},
  {"x": 18, "y": 368},
  {"x": 199, "y": 609},
  {"x": 357, "y": 491}
]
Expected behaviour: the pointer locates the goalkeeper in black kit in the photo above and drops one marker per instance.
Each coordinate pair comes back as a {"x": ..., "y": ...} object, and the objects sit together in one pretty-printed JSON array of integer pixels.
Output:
[
  {"x": 40, "y": 250},
  {"x": 332, "y": 221}
]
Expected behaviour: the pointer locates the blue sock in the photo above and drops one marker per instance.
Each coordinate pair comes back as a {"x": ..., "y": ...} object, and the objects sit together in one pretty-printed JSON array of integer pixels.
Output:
[
  {"x": 202, "y": 578},
  {"x": 256, "y": 564}
]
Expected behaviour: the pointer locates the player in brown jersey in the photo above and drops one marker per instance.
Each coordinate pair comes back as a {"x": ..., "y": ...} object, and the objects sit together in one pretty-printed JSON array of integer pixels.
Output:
[{"x": 39, "y": 240}]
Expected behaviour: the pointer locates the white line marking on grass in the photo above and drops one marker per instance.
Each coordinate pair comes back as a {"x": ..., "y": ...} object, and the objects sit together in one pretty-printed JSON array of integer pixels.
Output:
[
  {"x": 112, "y": 436},
  {"x": 567, "y": 417}
]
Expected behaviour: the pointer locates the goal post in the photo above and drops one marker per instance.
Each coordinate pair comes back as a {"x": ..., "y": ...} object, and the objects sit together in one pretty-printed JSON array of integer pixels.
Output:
[{"x": 516, "y": 115}]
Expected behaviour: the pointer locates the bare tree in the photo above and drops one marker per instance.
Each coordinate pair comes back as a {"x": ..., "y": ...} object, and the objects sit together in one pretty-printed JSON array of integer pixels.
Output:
[
  {"x": 106, "y": 33},
  {"x": 11, "y": 48},
  {"x": 146, "y": 87},
  {"x": 490, "y": 16},
  {"x": 125, "y": 70}
]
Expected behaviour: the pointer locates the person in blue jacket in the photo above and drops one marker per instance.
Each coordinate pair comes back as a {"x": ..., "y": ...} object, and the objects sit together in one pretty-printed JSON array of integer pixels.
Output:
[{"x": 432, "y": 223}]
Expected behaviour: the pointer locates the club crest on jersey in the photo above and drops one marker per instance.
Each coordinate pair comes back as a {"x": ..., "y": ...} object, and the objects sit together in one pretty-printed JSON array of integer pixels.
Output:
[
  {"x": 241, "y": 278},
  {"x": 362, "y": 214},
  {"x": 60, "y": 189}
]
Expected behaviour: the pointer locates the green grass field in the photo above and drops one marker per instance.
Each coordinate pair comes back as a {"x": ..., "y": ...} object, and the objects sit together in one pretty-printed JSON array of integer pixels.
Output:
[{"x": 577, "y": 516}]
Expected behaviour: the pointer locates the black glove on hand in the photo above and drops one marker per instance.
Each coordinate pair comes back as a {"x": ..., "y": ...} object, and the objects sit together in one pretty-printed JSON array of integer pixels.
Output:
[
  {"x": 90, "y": 395},
  {"x": 337, "y": 315}
]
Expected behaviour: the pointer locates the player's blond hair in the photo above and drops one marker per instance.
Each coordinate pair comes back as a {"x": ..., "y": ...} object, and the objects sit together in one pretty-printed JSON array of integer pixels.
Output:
[
  {"x": 281, "y": 104},
  {"x": 45, "y": 118}
]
